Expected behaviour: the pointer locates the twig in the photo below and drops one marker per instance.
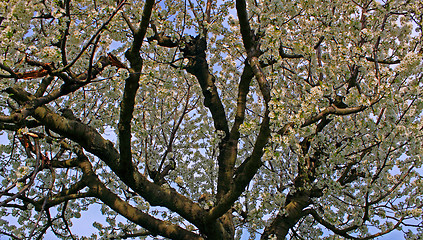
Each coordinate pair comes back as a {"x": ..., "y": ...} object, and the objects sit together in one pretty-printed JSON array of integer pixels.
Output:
[{"x": 92, "y": 38}]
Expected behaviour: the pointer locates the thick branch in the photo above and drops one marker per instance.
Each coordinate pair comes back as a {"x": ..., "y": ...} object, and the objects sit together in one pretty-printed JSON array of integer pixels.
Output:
[
  {"x": 198, "y": 66},
  {"x": 245, "y": 172},
  {"x": 126, "y": 114},
  {"x": 140, "y": 33},
  {"x": 99, "y": 190},
  {"x": 333, "y": 110},
  {"x": 249, "y": 167},
  {"x": 343, "y": 232},
  {"x": 247, "y": 34},
  {"x": 93, "y": 142},
  {"x": 293, "y": 212},
  {"x": 131, "y": 88},
  {"x": 228, "y": 154},
  {"x": 243, "y": 89}
]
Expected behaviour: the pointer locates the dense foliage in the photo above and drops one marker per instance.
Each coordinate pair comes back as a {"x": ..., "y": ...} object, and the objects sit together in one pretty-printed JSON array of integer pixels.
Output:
[{"x": 212, "y": 119}]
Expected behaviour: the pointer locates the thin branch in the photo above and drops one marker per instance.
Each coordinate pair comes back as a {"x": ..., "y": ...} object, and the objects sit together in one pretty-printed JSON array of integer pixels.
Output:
[
  {"x": 65, "y": 204},
  {"x": 328, "y": 225},
  {"x": 319, "y": 42},
  {"x": 90, "y": 63},
  {"x": 32, "y": 233},
  {"x": 128, "y": 22},
  {"x": 29, "y": 105},
  {"x": 390, "y": 191},
  {"x": 65, "y": 33},
  {"x": 174, "y": 130},
  {"x": 103, "y": 26},
  {"x": 31, "y": 180}
]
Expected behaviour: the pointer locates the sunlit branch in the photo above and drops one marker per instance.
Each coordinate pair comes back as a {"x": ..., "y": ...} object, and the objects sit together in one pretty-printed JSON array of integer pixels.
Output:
[
  {"x": 335, "y": 111},
  {"x": 134, "y": 235},
  {"x": 293, "y": 212},
  {"x": 47, "y": 68},
  {"x": 43, "y": 86},
  {"x": 99, "y": 190},
  {"x": 69, "y": 163},
  {"x": 341, "y": 232},
  {"x": 93, "y": 142},
  {"x": 60, "y": 198},
  {"x": 9, "y": 70},
  {"x": 7, "y": 119},
  {"x": 17, "y": 206},
  {"x": 261, "y": 78},
  {"x": 10, "y": 235},
  {"x": 370, "y": 59},
  {"x": 208, "y": 11},
  {"x": 282, "y": 54}
]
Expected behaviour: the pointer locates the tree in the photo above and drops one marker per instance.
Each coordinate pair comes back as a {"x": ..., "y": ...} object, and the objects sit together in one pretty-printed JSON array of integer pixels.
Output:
[{"x": 211, "y": 119}]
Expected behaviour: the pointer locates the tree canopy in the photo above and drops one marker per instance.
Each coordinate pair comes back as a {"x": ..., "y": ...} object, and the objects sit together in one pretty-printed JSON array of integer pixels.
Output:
[{"x": 192, "y": 119}]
